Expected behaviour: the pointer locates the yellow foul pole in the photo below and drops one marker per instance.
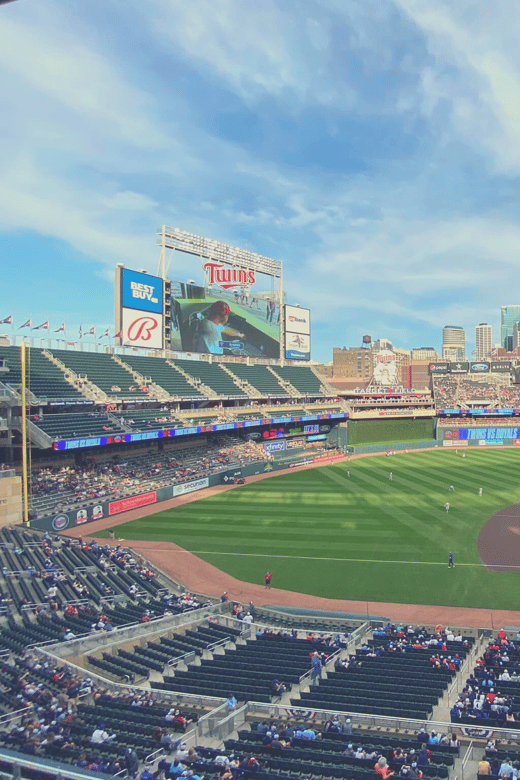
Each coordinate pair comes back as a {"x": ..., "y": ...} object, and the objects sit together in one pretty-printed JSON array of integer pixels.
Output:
[{"x": 25, "y": 483}]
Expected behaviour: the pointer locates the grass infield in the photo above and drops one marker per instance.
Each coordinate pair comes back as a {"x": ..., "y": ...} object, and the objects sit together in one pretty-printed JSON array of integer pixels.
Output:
[{"x": 361, "y": 537}]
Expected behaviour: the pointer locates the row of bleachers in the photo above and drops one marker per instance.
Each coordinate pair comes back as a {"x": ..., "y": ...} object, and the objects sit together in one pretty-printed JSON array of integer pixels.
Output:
[
  {"x": 74, "y": 487},
  {"x": 44, "y": 379},
  {"x": 150, "y": 419},
  {"x": 393, "y": 675},
  {"x": 212, "y": 375},
  {"x": 101, "y": 369},
  {"x": 259, "y": 377},
  {"x": 329, "y": 757},
  {"x": 76, "y": 425},
  {"x": 462, "y": 391},
  {"x": 247, "y": 670},
  {"x": 163, "y": 374},
  {"x": 301, "y": 378},
  {"x": 157, "y": 655}
]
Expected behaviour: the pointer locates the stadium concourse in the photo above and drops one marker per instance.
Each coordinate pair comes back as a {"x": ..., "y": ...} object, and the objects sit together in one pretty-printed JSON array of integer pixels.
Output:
[{"x": 200, "y": 576}]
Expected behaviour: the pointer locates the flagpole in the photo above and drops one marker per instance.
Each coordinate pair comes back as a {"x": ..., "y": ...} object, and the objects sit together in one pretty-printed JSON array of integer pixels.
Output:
[{"x": 25, "y": 484}]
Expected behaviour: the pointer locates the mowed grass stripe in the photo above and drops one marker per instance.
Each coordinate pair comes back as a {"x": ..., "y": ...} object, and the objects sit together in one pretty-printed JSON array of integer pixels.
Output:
[
  {"x": 321, "y": 513},
  {"x": 416, "y": 526}
]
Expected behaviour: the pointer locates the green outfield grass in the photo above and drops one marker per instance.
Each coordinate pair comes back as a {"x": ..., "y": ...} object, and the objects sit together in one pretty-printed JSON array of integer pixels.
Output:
[{"x": 363, "y": 537}]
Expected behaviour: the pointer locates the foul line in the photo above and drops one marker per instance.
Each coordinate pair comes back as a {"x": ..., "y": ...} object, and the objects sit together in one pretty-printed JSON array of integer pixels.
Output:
[{"x": 314, "y": 558}]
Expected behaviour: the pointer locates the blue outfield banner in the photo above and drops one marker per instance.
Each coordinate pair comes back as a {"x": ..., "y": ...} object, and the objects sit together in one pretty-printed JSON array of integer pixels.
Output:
[{"x": 488, "y": 434}]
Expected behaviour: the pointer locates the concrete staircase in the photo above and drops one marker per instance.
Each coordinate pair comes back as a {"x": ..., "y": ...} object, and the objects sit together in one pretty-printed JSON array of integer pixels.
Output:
[
  {"x": 290, "y": 389},
  {"x": 87, "y": 388},
  {"x": 248, "y": 389},
  {"x": 198, "y": 385}
]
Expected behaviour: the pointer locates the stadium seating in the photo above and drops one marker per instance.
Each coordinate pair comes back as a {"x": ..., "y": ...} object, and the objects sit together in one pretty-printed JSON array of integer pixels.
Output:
[
  {"x": 45, "y": 380},
  {"x": 247, "y": 671},
  {"x": 328, "y": 757},
  {"x": 213, "y": 376},
  {"x": 259, "y": 377},
  {"x": 103, "y": 371},
  {"x": 163, "y": 374},
  {"x": 150, "y": 419},
  {"x": 75, "y": 425},
  {"x": 303, "y": 379}
]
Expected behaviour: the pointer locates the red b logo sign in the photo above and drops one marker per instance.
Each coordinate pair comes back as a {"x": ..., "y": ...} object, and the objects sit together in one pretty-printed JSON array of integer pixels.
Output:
[{"x": 141, "y": 329}]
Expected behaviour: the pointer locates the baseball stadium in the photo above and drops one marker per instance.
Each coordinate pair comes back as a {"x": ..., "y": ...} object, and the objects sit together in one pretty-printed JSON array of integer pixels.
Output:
[{"x": 214, "y": 554}]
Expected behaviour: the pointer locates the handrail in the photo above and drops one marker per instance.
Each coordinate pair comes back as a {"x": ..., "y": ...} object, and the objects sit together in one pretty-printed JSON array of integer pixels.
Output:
[{"x": 150, "y": 758}]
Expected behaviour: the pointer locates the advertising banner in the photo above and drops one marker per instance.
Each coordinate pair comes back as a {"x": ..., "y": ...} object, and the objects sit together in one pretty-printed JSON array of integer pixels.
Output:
[
  {"x": 297, "y": 347},
  {"x": 501, "y": 367},
  {"x": 142, "y": 329},
  {"x": 459, "y": 368},
  {"x": 294, "y": 444},
  {"x": 439, "y": 368},
  {"x": 297, "y": 320},
  {"x": 274, "y": 446},
  {"x": 479, "y": 368},
  {"x": 367, "y": 414},
  {"x": 489, "y": 434},
  {"x": 189, "y": 487},
  {"x": 141, "y": 291},
  {"x": 132, "y": 502},
  {"x": 229, "y": 476}
]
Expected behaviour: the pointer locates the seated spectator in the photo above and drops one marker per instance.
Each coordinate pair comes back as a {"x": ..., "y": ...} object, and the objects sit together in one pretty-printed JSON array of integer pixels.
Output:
[
  {"x": 99, "y": 735},
  {"x": 382, "y": 769}
]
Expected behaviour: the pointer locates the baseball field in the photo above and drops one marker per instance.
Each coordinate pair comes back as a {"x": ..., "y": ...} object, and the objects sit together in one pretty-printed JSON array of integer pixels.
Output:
[{"x": 363, "y": 536}]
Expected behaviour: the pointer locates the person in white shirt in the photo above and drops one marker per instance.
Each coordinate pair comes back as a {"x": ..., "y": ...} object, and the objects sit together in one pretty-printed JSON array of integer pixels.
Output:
[
  {"x": 99, "y": 735},
  {"x": 213, "y": 327}
]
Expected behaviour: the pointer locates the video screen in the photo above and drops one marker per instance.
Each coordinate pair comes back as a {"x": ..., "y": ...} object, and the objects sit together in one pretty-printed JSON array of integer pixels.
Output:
[{"x": 240, "y": 321}]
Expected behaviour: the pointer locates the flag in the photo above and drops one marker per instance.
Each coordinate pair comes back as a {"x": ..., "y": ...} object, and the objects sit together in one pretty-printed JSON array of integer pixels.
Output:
[
  {"x": 106, "y": 334},
  {"x": 61, "y": 329},
  {"x": 7, "y": 321},
  {"x": 119, "y": 335},
  {"x": 27, "y": 324},
  {"x": 91, "y": 332},
  {"x": 43, "y": 326},
  {"x": 80, "y": 332}
]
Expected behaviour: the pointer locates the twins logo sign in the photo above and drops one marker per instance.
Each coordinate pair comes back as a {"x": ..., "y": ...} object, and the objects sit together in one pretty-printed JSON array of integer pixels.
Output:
[{"x": 142, "y": 329}]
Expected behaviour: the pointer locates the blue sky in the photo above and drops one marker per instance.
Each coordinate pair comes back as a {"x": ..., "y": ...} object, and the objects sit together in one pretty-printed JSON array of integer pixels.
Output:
[{"x": 372, "y": 145}]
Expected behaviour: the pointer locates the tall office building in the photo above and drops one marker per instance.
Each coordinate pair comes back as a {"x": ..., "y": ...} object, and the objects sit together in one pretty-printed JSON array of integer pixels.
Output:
[
  {"x": 453, "y": 343},
  {"x": 483, "y": 341},
  {"x": 508, "y": 316}
]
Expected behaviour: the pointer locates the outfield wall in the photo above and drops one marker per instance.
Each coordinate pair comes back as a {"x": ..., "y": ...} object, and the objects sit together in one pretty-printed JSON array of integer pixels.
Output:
[{"x": 362, "y": 432}]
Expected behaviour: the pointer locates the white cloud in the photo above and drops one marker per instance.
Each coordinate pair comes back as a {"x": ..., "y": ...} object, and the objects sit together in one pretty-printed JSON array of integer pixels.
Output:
[{"x": 478, "y": 40}]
